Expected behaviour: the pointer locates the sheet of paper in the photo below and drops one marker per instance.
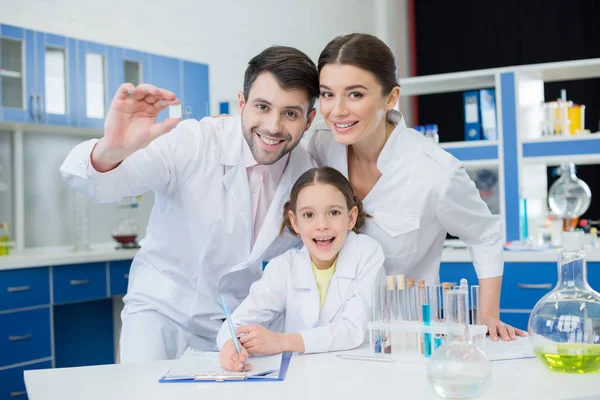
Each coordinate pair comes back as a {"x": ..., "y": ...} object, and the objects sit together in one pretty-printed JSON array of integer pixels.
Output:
[
  {"x": 515, "y": 349},
  {"x": 195, "y": 362}
]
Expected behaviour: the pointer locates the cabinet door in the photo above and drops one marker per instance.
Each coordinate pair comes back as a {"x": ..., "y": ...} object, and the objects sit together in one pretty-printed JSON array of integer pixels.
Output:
[
  {"x": 95, "y": 65},
  {"x": 56, "y": 79},
  {"x": 195, "y": 91},
  {"x": 17, "y": 77},
  {"x": 165, "y": 73},
  {"x": 130, "y": 66}
]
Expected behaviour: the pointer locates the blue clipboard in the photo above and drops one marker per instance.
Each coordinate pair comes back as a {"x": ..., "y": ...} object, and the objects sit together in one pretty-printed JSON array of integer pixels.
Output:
[{"x": 224, "y": 376}]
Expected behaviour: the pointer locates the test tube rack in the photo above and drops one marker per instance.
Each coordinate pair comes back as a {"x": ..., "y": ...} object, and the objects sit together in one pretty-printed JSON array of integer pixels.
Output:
[{"x": 405, "y": 340}]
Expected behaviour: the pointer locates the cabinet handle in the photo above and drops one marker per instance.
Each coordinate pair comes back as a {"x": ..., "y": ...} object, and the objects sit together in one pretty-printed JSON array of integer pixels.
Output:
[
  {"x": 538, "y": 286},
  {"x": 18, "y": 289},
  {"x": 18, "y": 394},
  {"x": 31, "y": 108},
  {"x": 126, "y": 276},
  {"x": 40, "y": 109},
  {"x": 18, "y": 338},
  {"x": 76, "y": 282}
]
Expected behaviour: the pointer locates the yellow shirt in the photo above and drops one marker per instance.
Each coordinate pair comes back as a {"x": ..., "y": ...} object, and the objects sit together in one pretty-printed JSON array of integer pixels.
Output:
[{"x": 323, "y": 277}]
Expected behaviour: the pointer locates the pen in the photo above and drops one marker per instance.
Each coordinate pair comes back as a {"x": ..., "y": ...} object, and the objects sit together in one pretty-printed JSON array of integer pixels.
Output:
[{"x": 231, "y": 329}]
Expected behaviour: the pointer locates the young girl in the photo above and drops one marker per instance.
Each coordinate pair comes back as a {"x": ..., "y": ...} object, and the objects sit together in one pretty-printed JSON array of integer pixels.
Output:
[{"x": 324, "y": 290}]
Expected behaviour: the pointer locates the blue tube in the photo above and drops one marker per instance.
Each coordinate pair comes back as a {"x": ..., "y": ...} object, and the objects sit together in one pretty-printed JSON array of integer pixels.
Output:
[{"x": 426, "y": 312}]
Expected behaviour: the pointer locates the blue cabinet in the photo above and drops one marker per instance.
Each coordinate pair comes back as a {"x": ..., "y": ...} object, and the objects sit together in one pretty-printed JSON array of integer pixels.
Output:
[
  {"x": 130, "y": 66},
  {"x": 74, "y": 283},
  {"x": 24, "y": 336},
  {"x": 22, "y": 288},
  {"x": 56, "y": 80},
  {"x": 523, "y": 285},
  {"x": 38, "y": 77},
  {"x": 165, "y": 72},
  {"x": 119, "y": 277},
  {"x": 50, "y": 79},
  {"x": 454, "y": 272},
  {"x": 95, "y": 77},
  {"x": 12, "y": 384},
  {"x": 195, "y": 90},
  {"x": 517, "y": 320},
  {"x": 17, "y": 79}
]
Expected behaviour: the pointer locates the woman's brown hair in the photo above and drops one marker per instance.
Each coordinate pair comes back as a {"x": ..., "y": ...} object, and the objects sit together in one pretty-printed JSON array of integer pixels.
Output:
[
  {"x": 365, "y": 52},
  {"x": 330, "y": 176}
]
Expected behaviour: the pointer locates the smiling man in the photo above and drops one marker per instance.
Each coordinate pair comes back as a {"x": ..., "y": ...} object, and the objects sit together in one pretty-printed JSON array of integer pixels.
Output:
[{"x": 220, "y": 186}]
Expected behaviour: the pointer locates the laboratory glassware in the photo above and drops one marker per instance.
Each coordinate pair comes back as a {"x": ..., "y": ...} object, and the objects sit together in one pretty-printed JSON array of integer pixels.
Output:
[
  {"x": 564, "y": 326},
  {"x": 126, "y": 231},
  {"x": 458, "y": 369},
  {"x": 569, "y": 197}
]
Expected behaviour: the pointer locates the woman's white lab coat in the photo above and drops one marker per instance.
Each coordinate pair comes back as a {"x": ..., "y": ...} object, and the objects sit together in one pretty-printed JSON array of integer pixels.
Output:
[
  {"x": 198, "y": 239},
  {"x": 423, "y": 193},
  {"x": 288, "y": 287}
]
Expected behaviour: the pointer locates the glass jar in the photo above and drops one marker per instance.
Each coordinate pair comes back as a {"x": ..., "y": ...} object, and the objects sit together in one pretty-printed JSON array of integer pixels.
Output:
[
  {"x": 564, "y": 326},
  {"x": 126, "y": 231},
  {"x": 459, "y": 369},
  {"x": 569, "y": 197}
]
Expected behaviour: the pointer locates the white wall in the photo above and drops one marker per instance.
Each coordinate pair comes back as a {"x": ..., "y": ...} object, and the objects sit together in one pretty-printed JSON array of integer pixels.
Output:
[{"x": 223, "y": 33}]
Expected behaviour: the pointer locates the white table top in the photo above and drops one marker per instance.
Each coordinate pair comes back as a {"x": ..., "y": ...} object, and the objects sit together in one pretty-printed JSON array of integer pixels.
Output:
[
  {"x": 47, "y": 256},
  {"x": 309, "y": 377}
]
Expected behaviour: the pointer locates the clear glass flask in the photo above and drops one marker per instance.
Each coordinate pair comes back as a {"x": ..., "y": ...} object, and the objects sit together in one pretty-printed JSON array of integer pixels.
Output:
[
  {"x": 564, "y": 326},
  {"x": 569, "y": 197},
  {"x": 458, "y": 369},
  {"x": 126, "y": 231}
]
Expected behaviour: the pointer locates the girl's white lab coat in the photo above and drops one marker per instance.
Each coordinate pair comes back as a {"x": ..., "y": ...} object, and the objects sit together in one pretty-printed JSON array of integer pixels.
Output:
[
  {"x": 198, "y": 239},
  {"x": 423, "y": 193},
  {"x": 288, "y": 287}
]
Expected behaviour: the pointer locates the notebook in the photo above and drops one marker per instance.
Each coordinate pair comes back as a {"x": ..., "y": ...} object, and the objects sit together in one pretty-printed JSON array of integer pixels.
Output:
[{"x": 199, "y": 366}]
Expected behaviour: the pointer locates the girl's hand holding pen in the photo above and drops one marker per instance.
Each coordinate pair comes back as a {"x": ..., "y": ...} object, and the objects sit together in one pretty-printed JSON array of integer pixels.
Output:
[
  {"x": 260, "y": 340},
  {"x": 231, "y": 360}
]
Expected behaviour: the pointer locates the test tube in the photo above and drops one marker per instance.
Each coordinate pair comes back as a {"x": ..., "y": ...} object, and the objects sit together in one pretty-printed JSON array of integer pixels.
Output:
[
  {"x": 421, "y": 294},
  {"x": 389, "y": 311},
  {"x": 376, "y": 317},
  {"x": 400, "y": 298},
  {"x": 420, "y": 297},
  {"x": 411, "y": 292},
  {"x": 429, "y": 305},
  {"x": 445, "y": 287},
  {"x": 399, "y": 339},
  {"x": 475, "y": 305},
  {"x": 435, "y": 293},
  {"x": 476, "y": 314},
  {"x": 427, "y": 342}
]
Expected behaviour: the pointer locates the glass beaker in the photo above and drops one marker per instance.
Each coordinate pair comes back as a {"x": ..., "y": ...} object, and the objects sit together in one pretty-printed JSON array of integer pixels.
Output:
[
  {"x": 564, "y": 326},
  {"x": 126, "y": 231},
  {"x": 458, "y": 369},
  {"x": 569, "y": 197}
]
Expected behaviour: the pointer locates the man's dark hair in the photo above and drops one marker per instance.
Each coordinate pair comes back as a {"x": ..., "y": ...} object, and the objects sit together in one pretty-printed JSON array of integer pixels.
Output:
[{"x": 291, "y": 68}]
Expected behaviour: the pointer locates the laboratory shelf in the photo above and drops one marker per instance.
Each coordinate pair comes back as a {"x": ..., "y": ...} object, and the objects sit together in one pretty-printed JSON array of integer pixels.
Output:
[
  {"x": 452, "y": 82},
  {"x": 473, "y": 151},
  {"x": 583, "y": 149}
]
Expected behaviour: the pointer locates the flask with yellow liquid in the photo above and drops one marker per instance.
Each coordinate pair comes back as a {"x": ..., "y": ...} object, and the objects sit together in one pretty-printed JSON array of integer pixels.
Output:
[
  {"x": 4, "y": 239},
  {"x": 564, "y": 326}
]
